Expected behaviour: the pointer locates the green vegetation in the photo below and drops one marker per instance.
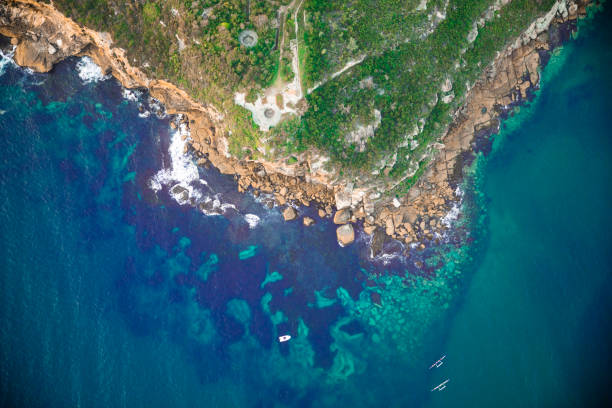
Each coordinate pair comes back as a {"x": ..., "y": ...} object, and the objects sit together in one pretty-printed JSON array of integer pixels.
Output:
[
  {"x": 194, "y": 43},
  {"x": 406, "y": 75},
  {"x": 410, "y": 48}
]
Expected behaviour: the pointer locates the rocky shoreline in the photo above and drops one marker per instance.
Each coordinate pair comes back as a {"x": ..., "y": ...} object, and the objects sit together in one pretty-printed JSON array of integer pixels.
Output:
[{"x": 43, "y": 36}]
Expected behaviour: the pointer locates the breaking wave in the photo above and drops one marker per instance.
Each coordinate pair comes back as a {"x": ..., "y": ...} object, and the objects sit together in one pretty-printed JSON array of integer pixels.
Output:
[
  {"x": 183, "y": 179},
  {"x": 6, "y": 59},
  {"x": 455, "y": 211},
  {"x": 146, "y": 106},
  {"x": 89, "y": 71},
  {"x": 182, "y": 171},
  {"x": 252, "y": 220}
]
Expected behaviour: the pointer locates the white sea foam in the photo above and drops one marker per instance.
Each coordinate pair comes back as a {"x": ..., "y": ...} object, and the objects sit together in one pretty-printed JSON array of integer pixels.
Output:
[
  {"x": 384, "y": 257},
  {"x": 252, "y": 219},
  {"x": 451, "y": 216},
  {"x": 89, "y": 71},
  {"x": 228, "y": 206},
  {"x": 146, "y": 107},
  {"x": 182, "y": 178},
  {"x": 131, "y": 94},
  {"x": 387, "y": 258},
  {"x": 157, "y": 108},
  {"x": 212, "y": 205},
  {"x": 6, "y": 59},
  {"x": 182, "y": 171},
  {"x": 455, "y": 211}
]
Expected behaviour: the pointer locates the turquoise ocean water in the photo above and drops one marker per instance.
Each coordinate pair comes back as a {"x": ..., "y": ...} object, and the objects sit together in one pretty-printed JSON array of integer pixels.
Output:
[
  {"x": 113, "y": 294},
  {"x": 534, "y": 327}
]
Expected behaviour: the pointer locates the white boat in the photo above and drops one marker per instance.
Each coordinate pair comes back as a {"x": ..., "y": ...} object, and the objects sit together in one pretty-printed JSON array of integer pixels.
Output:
[
  {"x": 440, "y": 386},
  {"x": 284, "y": 338},
  {"x": 438, "y": 363}
]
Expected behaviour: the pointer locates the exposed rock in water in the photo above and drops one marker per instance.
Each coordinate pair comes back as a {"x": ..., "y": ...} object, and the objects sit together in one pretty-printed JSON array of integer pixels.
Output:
[
  {"x": 369, "y": 229},
  {"x": 342, "y": 216},
  {"x": 289, "y": 214},
  {"x": 345, "y": 234},
  {"x": 181, "y": 192},
  {"x": 44, "y": 37},
  {"x": 308, "y": 221},
  {"x": 377, "y": 242}
]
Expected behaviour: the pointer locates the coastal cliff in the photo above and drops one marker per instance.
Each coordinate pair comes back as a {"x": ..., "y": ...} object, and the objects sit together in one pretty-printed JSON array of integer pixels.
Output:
[{"x": 43, "y": 36}]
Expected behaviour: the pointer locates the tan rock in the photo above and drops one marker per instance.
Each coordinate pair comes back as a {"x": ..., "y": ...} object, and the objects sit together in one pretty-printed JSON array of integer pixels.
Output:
[
  {"x": 280, "y": 199},
  {"x": 523, "y": 89},
  {"x": 411, "y": 215},
  {"x": 342, "y": 216},
  {"x": 322, "y": 213},
  {"x": 360, "y": 213},
  {"x": 343, "y": 198},
  {"x": 308, "y": 221},
  {"x": 369, "y": 229},
  {"x": 50, "y": 37},
  {"x": 397, "y": 219},
  {"x": 345, "y": 234},
  {"x": 289, "y": 214},
  {"x": 389, "y": 227}
]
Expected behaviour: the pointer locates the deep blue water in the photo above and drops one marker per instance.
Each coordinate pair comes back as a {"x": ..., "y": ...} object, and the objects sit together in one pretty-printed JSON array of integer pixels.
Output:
[{"x": 113, "y": 294}]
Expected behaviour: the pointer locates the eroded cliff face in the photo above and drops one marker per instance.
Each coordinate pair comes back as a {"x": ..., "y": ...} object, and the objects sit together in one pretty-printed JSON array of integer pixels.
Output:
[{"x": 44, "y": 36}]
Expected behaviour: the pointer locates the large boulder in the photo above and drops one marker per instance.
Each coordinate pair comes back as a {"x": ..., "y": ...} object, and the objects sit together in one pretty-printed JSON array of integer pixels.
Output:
[
  {"x": 289, "y": 214},
  {"x": 378, "y": 240},
  {"x": 389, "y": 227},
  {"x": 345, "y": 234},
  {"x": 344, "y": 197},
  {"x": 342, "y": 216}
]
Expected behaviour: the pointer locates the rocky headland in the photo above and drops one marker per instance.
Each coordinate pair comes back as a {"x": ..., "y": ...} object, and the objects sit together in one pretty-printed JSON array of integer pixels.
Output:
[{"x": 43, "y": 36}]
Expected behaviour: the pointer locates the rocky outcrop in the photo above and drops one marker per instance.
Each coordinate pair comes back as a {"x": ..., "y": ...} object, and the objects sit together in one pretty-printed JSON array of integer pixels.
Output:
[
  {"x": 342, "y": 216},
  {"x": 289, "y": 214},
  {"x": 507, "y": 82},
  {"x": 44, "y": 37},
  {"x": 307, "y": 221},
  {"x": 345, "y": 234}
]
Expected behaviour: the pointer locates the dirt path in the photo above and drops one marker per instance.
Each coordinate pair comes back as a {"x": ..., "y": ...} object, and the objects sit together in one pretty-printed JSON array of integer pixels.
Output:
[
  {"x": 283, "y": 11},
  {"x": 348, "y": 66}
]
